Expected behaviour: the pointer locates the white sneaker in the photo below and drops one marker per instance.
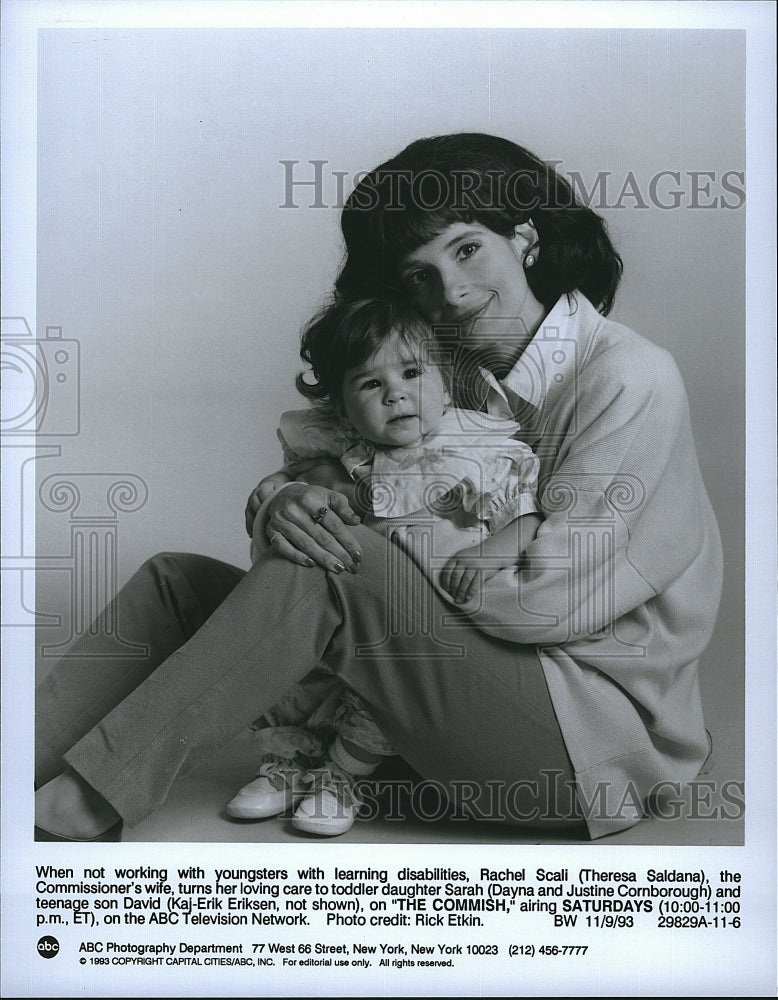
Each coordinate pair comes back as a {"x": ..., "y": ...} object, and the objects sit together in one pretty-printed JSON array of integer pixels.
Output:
[
  {"x": 278, "y": 786},
  {"x": 330, "y": 807}
]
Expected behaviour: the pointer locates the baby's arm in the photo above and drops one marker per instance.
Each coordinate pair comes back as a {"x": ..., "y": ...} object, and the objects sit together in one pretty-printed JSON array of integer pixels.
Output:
[
  {"x": 466, "y": 569},
  {"x": 508, "y": 504},
  {"x": 270, "y": 484}
]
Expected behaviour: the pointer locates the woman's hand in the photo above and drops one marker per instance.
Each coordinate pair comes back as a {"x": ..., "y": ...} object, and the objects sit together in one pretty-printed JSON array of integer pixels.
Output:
[{"x": 308, "y": 525}]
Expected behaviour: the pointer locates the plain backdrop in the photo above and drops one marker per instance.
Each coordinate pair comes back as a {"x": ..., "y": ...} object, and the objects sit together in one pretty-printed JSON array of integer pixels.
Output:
[{"x": 164, "y": 251}]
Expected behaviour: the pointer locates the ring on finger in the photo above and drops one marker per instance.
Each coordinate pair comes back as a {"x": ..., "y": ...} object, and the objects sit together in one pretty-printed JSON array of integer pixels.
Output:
[{"x": 319, "y": 516}]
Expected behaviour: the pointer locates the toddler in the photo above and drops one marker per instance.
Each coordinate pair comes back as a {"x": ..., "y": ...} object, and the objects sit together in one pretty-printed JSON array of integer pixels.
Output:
[{"x": 451, "y": 486}]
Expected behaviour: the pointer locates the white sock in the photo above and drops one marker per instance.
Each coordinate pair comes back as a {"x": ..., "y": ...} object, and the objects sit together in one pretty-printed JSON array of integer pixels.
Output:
[{"x": 341, "y": 756}]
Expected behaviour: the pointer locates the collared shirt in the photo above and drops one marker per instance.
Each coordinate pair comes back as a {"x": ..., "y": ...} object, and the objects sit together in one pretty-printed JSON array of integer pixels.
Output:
[{"x": 623, "y": 581}]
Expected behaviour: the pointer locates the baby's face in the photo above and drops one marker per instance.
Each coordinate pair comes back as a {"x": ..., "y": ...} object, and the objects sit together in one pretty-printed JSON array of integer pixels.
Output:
[{"x": 392, "y": 400}]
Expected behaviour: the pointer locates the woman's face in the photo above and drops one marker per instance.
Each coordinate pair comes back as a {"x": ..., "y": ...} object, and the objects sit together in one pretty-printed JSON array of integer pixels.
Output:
[{"x": 474, "y": 278}]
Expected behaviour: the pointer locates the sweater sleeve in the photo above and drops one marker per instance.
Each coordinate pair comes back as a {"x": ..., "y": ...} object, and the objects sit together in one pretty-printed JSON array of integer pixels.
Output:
[{"x": 622, "y": 501}]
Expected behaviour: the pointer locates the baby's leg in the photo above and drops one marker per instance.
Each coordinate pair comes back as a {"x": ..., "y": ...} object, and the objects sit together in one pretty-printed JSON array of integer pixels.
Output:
[
  {"x": 287, "y": 753},
  {"x": 289, "y": 745},
  {"x": 360, "y": 745},
  {"x": 302, "y": 703},
  {"x": 357, "y": 750}
]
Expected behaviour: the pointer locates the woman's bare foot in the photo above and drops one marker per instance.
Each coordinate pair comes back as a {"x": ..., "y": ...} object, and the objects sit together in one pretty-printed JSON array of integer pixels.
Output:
[{"x": 68, "y": 807}]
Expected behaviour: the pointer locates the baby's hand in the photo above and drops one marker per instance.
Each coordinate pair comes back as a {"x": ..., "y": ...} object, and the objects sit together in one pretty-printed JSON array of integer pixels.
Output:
[
  {"x": 464, "y": 573},
  {"x": 264, "y": 489}
]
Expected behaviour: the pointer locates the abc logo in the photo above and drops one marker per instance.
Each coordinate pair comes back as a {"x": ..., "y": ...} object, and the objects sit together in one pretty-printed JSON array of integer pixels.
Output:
[{"x": 48, "y": 946}]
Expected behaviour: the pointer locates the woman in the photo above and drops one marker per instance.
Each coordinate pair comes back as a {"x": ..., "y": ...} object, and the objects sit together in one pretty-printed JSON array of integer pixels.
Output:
[{"x": 577, "y": 697}]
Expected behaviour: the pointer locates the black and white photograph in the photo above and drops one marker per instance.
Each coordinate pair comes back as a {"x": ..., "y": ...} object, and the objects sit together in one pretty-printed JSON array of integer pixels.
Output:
[{"x": 388, "y": 448}]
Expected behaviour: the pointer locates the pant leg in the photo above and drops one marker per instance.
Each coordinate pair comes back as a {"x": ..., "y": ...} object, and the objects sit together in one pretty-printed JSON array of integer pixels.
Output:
[
  {"x": 460, "y": 706},
  {"x": 160, "y": 607},
  {"x": 354, "y": 722},
  {"x": 311, "y": 702},
  {"x": 465, "y": 709}
]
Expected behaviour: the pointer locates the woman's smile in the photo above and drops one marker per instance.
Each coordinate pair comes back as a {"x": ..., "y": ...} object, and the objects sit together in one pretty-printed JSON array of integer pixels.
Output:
[
  {"x": 468, "y": 319},
  {"x": 474, "y": 278}
]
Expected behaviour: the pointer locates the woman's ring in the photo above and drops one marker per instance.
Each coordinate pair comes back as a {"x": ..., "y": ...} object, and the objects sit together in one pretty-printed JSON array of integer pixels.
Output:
[{"x": 320, "y": 515}]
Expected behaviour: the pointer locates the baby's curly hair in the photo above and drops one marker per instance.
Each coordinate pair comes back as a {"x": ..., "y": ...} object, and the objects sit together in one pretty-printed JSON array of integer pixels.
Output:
[{"x": 346, "y": 334}]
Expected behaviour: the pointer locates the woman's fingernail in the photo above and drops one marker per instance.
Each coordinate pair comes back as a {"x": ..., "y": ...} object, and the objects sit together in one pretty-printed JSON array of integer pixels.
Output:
[
  {"x": 357, "y": 554},
  {"x": 338, "y": 567},
  {"x": 309, "y": 562}
]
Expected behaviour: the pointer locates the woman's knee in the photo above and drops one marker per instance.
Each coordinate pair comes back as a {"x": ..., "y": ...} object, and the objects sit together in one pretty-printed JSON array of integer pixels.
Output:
[
  {"x": 190, "y": 565},
  {"x": 185, "y": 580},
  {"x": 164, "y": 563}
]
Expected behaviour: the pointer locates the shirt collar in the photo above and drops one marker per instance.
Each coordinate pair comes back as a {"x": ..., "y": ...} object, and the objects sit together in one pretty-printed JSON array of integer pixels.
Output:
[{"x": 548, "y": 364}]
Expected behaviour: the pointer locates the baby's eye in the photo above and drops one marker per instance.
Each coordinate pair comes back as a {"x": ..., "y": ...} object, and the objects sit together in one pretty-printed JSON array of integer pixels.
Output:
[
  {"x": 414, "y": 372},
  {"x": 370, "y": 383},
  {"x": 468, "y": 249}
]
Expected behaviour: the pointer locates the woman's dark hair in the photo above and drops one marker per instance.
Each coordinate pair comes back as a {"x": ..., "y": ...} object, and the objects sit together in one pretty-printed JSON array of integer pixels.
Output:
[
  {"x": 345, "y": 334},
  {"x": 470, "y": 177}
]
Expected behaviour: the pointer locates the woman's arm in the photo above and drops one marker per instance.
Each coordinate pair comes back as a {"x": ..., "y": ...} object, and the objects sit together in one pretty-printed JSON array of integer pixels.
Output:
[
  {"x": 626, "y": 516},
  {"x": 467, "y": 569}
]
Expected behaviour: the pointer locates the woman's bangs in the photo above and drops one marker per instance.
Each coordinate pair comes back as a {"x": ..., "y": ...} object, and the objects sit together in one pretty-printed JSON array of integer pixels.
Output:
[{"x": 404, "y": 232}]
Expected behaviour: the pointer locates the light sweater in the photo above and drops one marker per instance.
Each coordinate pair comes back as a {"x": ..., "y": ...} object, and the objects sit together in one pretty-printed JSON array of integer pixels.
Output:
[{"x": 624, "y": 577}]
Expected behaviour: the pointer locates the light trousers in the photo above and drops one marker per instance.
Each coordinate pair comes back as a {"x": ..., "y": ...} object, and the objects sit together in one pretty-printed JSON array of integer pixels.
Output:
[{"x": 463, "y": 708}]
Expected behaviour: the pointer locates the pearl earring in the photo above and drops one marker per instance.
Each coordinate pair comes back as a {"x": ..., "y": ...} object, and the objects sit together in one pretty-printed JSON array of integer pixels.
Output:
[{"x": 529, "y": 260}]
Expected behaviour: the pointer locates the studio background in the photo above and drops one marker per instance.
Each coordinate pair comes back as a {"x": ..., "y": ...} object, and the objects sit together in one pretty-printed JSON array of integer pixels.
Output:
[{"x": 163, "y": 249}]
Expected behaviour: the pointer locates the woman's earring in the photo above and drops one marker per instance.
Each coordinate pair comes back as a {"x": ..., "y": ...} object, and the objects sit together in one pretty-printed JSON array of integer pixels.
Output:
[{"x": 529, "y": 260}]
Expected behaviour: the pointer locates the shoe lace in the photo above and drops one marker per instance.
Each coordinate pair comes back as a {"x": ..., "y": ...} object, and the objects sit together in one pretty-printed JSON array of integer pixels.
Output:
[
  {"x": 333, "y": 779},
  {"x": 279, "y": 771}
]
